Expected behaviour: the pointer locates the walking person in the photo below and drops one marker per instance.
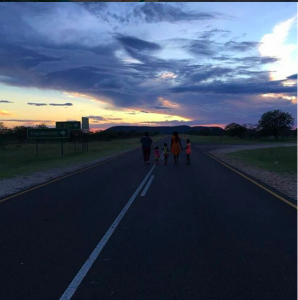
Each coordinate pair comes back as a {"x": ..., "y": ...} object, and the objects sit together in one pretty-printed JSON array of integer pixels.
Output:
[
  {"x": 146, "y": 147},
  {"x": 188, "y": 151},
  {"x": 166, "y": 153},
  {"x": 176, "y": 146},
  {"x": 157, "y": 155}
]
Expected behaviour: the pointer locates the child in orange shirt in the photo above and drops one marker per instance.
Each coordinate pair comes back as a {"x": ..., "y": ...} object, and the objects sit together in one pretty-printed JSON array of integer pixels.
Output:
[{"x": 188, "y": 151}]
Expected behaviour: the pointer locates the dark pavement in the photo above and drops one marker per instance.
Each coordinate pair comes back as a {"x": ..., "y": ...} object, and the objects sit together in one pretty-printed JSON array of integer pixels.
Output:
[{"x": 201, "y": 232}]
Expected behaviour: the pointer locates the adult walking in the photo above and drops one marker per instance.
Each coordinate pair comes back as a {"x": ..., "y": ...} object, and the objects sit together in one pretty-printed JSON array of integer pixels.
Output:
[
  {"x": 146, "y": 147},
  {"x": 176, "y": 146}
]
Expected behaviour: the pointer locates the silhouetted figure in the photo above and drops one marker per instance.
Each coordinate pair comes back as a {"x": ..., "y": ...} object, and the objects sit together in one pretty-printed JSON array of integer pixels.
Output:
[
  {"x": 157, "y": 155},
  {"x": 166, "y": 152},
  {"x": 176, "y": 146},
  {"x": 188, "y": 151},
  {"x": 146, "y": 147}
]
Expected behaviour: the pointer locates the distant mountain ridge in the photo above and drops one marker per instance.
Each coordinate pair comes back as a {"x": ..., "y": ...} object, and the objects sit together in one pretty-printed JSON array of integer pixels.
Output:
[{"x": 164, "y": 129}]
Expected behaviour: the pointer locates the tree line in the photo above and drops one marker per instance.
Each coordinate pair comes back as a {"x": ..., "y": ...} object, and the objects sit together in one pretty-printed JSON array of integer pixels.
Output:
[{"x": 272, "y": 123}]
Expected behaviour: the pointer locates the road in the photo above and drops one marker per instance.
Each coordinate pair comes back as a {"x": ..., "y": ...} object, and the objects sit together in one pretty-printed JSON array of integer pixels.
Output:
[{"x": 200, "y": 232}]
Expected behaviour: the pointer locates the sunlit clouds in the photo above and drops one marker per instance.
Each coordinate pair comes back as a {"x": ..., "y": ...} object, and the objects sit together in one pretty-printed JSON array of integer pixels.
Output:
[
  {"x": 152, "y": 64},
  {"x": 167, "y": 75},
  {"x": 4, "y": 112},
  {"x": 292, "y": 99},
  {"x": 276, "y": 44}
]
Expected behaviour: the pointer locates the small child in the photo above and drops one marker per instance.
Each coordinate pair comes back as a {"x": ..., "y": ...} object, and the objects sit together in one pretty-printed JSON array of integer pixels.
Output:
[
  {"x": 166, "y": 152},
  {"x": 188, "y": 151},
  {"x": 157, "y": 155}
]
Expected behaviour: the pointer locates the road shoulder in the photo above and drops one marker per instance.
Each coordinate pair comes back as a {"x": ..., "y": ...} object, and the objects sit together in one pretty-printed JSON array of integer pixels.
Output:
[
  {"x": 284, "y": 183},
  {"x": 11, "y": 186}
]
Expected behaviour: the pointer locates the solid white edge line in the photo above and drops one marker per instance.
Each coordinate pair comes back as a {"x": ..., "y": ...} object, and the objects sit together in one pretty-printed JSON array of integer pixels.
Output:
[
  {"x": 147, "y": 186},
  {"x": 88, "y": 264}
]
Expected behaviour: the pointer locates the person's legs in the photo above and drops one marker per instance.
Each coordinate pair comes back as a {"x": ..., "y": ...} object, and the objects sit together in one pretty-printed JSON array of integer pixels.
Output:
[
  {"x": 188, "y": 159},
  {"x": 145, "y": 154},
  {"x": 146, "y": 151},
  {"x": 166, "y": 158},
  {"x": 148, "y": 154},
  {"x": 177, "y": 159}
]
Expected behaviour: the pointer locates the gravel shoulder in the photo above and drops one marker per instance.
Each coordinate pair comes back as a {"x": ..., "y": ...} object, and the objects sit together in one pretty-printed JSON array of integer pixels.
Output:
[
  {"x": 19, "y": 183},
  {"x": 285, "y": 183}
]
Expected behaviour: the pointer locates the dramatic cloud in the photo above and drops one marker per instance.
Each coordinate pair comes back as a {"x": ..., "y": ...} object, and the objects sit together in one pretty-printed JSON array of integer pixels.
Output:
[
  {"x": 62, "y": 104},
  {"x": 161, "y": 107},
  {"x": 27, "y": 121},
  {"x": 278, "y": 45},
  {"x": 206, "y": 73},
  {"x": 37, "y": 104},
  {"x": 250, "y": 60},
  {"x": 5, "y": 101},
  {"x": 153, "y": 58},
  {"x": 205, "y": 47},
  {"x": 52, "y": 104},
  {"x": 241, "y": 46},
  {"x": 210, "y": 33},
  {"x": 138, "y": 44},
  {"x": 238, "y": 87},
  {"x": 160, "y": 12},
  {"x": 96, "y": 119}
]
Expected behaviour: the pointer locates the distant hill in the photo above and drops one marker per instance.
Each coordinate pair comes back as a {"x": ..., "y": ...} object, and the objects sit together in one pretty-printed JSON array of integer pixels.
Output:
[{"x": 164, "y": 129}]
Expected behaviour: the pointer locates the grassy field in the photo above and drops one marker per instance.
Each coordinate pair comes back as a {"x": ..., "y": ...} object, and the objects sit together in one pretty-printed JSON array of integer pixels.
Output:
[
  {"x": 276, "y": 159},
  {"x": 21, "y": 160},
  {"x": 231, "y": 140}
]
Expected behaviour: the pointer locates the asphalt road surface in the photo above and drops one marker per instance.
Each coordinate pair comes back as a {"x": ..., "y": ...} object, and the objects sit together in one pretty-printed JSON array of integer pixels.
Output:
[{"x": 196, "y": 232}]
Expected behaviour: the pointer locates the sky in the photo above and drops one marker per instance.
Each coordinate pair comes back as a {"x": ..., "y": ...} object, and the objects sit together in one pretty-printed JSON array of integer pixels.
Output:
[{"x": 156, "y": 64}]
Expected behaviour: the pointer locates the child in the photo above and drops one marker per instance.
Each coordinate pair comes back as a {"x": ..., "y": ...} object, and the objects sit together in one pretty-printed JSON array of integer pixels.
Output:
[
  {"x": 188, "y": 151},
  {"x": 166, "y": 152},
  {"x": 157, "y": 155}
]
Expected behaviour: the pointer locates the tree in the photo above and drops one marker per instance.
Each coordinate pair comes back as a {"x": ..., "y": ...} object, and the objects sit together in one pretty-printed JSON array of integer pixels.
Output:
[
  {"x": 41, "y": 126},
  {"x": 20, "y": 132},
  {"x": 2, "y": 128},
  {"x": 205, "y": 131},
  {"x": 234, "y": 129},
  {"x": 251, "y": 130},
  {"x": 275, "y": 122}
]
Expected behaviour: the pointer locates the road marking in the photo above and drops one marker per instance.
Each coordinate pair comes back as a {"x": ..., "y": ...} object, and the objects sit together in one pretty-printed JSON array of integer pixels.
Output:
[
  {"x": 88, "y": 264},
  {"x": 147, "y": 186},
  {"x": 65, "y": 176},
  {"x": 256, "y": 183}
]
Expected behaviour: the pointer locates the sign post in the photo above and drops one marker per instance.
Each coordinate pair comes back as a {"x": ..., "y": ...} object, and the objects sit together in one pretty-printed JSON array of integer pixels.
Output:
[
  {"x": 36, "y": 148},
  {"x": 85, "y": 125},
  {"x": 62, "y": 148},
  {"x": 47, "y": 133},
  {"x": 85, "y": 129}
]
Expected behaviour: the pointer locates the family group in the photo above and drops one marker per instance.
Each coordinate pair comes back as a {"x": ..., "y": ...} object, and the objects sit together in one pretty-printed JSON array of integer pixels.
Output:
[{"x": 175, "y": 149}]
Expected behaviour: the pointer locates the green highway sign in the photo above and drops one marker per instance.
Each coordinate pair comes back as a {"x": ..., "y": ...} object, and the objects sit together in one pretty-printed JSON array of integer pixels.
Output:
[
  {"x": 47, "y": 133},
  {"x": 72, "y": 125}
]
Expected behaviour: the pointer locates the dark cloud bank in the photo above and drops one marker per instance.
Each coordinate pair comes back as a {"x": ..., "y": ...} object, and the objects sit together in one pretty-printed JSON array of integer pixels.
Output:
[{"x": 29, "y": 60}]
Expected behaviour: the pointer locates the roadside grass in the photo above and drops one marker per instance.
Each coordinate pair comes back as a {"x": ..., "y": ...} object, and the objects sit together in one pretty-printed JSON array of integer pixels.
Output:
[
  {"x": 276, "y": 159},
  {"x": 21, "y": 160},
  {"x": 232, "y": 140}
]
